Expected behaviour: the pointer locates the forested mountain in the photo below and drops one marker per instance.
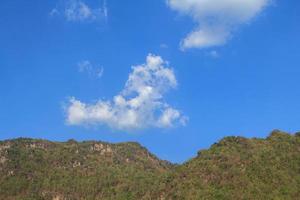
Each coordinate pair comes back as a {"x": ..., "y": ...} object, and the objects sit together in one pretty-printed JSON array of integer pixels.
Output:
[{"x": 233, "y": 168}]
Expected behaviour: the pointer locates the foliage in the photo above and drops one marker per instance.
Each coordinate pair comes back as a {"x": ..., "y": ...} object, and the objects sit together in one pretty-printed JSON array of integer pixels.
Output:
[{"x": 234, "y": 168}]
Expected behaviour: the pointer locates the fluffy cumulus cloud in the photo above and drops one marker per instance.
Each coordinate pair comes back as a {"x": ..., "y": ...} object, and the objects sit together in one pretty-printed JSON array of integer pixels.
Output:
[
  {"x": 216, "y": 19},
  {"x": 79, "y": 11},
  {"x": 139, "y": 105}
]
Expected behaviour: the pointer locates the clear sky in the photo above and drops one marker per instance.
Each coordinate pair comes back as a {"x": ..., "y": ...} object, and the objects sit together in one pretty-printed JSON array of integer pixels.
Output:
[{"x": 66, "y": 71}]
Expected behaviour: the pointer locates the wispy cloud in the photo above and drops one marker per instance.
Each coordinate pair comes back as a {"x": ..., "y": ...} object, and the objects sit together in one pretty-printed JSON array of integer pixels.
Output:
[
  {"x": 79, "y": 11},
  {"x": 92, "y": 70},
  {"x": 163, "y": 46},
  {"x": 54, "y": 12},
  {"x": 216, "y": 19},
  {"x": 139, "y": 105},
  {"x": 213, "y": 54}
]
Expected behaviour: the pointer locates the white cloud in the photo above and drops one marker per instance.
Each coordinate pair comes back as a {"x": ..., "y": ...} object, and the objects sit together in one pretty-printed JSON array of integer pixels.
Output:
[
  {"x": 216, "y": 19},
  {"x": 139, "y": 105},
  {"x": 92, "y": 70},
  {"x": 79, "y": 11}
]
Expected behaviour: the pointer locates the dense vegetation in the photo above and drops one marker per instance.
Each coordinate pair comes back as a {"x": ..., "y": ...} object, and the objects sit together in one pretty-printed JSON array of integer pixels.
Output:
[{"x": 234, "y": 168}]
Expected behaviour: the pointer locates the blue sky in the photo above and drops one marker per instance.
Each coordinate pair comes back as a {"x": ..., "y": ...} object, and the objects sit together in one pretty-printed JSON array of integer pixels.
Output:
[{"x": 242, "y": 80}]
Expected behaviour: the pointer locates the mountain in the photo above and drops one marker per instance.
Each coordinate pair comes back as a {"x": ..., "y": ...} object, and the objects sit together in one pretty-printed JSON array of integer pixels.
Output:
[
  {"x": 240, "y": 168},
  {"x": 233, "y": 168}
]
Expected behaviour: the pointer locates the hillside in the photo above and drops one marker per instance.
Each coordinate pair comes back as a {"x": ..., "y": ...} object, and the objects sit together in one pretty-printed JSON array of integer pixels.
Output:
[
  {"x": 233, "y": 168},
  {"x": 240, "y": 168}
]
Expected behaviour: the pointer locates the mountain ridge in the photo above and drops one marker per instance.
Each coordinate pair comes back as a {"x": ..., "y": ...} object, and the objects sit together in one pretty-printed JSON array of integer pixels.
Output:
[{"x": 235, "y": 167}]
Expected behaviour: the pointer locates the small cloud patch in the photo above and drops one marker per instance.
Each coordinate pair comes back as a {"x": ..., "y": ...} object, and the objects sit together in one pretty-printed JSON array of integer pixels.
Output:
[
  {"x": 79, "y": 11},
  {"x": 92, "y": 70}
]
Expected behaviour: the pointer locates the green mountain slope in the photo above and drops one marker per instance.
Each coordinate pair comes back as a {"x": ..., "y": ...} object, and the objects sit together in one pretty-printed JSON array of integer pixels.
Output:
[
  {"x": 239, "y": 168},
  {"x": 234, "y": 168}
]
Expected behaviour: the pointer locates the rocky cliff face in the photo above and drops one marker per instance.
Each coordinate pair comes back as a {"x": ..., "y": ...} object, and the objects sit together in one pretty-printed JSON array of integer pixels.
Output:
[{"x": 234, "y": 168}]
